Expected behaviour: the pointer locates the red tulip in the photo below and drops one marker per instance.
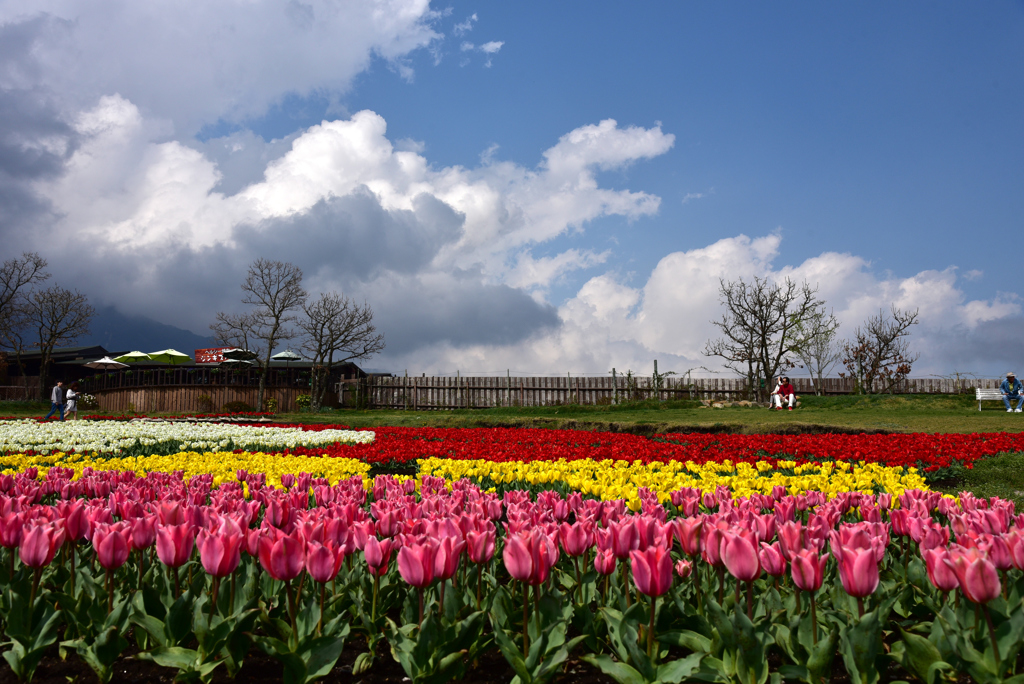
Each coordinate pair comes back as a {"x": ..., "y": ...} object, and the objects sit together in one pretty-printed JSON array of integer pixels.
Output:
[
  {"x": 39, "y": 543},
  {"x": 740, "y": 557},
  {"x": 323, "y": 561},
  {"x": 220, "y": 551},
  {"x": 808, "y": 569},
  {"x": 112, "y": 544},
  {"x": 416, "y": 564},
  {"x": 174, "y": 544},
  {"x": 652, "y": 570},
  {"x": 976, "y": 574},
  {"x": 284, "y": 557}
]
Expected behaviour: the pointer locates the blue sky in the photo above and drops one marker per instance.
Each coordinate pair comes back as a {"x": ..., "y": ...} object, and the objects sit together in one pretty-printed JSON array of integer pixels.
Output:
[{"x": 875, "y": 148}]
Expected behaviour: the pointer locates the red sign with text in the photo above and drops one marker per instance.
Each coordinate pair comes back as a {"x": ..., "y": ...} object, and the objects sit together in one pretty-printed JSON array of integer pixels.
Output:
[{"x": 211, "y": 355}]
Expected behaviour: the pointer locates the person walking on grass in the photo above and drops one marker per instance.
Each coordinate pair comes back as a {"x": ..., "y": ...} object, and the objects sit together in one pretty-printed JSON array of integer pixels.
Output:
[
  {"x": 71, "y": 412},
  {"x": 1011, "y": 389},
  {"x": 56, "y": 401}
]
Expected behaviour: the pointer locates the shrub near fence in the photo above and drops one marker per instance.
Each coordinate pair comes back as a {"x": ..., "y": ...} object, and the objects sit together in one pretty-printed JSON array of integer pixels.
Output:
[{"x": 425, "y": 393}]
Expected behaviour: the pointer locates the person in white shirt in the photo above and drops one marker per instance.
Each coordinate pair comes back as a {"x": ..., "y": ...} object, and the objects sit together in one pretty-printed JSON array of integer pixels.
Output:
[{"x": 71, "y": 411}]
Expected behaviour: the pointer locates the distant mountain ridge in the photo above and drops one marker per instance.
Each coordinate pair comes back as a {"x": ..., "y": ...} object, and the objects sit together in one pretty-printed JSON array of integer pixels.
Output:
[{"x": 117, "y": 331}]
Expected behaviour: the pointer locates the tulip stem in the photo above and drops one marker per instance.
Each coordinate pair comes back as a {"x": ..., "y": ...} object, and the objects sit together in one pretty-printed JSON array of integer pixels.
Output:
[
  {"x": 579, "y": 577},
  {"x": 11, "y": 556},
  {"x": 860, "y": 606},
  {"x": 373, "y": 612},
  {"x": 214, "y": 590},
  {"x": 721, "y": 584},
  {"x": 536, "y": 607},
  {"x": 291, "y": 612},
  {"x": 750, "y": 600},
  {"x": 479, "y": 581},
  {"x": 73, "y": 569},
  {"x": 440, "y": 605},
  {"x": 796, "y": 595},
  {"x": 231, "y": 607},
  {"x": 141, "y": 560},
  {"x": 738, "y": 592},
  {"x": 526, "y": 620},
  {"x": 177, "y": 582},
  {"x": 421, "y": 605},
  {"x": 323, "y": 594},
  {"x": 110, "y": 592},
  {"x": 992, "y": 635},
  {"x": 696, "y": 588},
  {"x": 650, "y": 630},
  {"x": 35, "y": 587},
  {"x": 814, "y": 620}
]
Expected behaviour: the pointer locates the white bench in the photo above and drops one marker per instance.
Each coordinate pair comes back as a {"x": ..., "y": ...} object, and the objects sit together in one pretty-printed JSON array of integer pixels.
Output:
[{"x": 987, "y": 395}]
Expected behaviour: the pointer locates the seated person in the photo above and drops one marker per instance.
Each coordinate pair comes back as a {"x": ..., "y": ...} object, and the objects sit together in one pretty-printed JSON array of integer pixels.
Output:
[
  {"x": 774, "y": 397},
  {"x": 1011, "y": 389},
  {"x": 783, "y": 392}
]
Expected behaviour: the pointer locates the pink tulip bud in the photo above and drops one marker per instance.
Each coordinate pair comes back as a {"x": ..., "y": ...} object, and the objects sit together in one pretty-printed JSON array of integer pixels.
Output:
[
  {"x": 740, "y": 556},
  {"x": 684, "y": 568},
  {"x": 220, "y": 551},
  {"x": 940, "y": 574},
  {"x": 688, "y": 532},
  {"x": 174, "y": 544},
  {"x": 480, "y": 545},
  {"x": 771, "y": 559},
  {"x": 977, "y": 575},
  {"x": 652, "y": 570},
  {"x": 858, "y": 569},
  {"x": 323, "y": 561},
  {"x": 283, "y": 558},
  {"x": 416, "y": 563},
  {"x": 39, "y": 544},
  {"x": 143, "y": 532},
  {"x": 605, "y": 562},
  {"x": 808, "y": 569},
  {"x": 112, "y": 544},
  {"x": 378, "y": 554}
]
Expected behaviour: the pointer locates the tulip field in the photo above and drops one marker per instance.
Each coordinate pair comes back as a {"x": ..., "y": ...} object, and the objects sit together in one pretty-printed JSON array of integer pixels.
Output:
[{"x": 196, "y": 549}]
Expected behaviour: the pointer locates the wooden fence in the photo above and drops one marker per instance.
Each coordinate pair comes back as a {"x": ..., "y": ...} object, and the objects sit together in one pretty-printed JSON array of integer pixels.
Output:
[
  {"x": 190, "y": 399},
  {"x": 438, "y": 393}
]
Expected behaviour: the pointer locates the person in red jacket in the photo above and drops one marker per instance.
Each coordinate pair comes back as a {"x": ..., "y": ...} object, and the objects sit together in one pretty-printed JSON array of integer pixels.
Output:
[{"x": 784, "y": 392}]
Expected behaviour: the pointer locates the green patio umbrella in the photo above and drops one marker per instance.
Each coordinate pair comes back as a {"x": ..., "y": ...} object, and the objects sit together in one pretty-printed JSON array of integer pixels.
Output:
[
  {"x": 133, "y": 357},
  {"x": 171, "y": 357}
]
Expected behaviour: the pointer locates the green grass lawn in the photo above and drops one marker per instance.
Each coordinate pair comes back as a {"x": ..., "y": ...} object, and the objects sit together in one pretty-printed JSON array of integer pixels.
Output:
[{"x": 1001, "y": 476}]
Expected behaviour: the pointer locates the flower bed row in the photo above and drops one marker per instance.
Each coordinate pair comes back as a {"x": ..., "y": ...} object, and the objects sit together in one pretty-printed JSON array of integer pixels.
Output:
[
  {"x": 144, "y": 438},
  {"x": 933, "y": 455},
  {"x": 709, "y": 585}
]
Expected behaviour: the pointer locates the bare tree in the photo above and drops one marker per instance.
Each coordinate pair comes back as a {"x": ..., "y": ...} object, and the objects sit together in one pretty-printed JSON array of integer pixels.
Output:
[
  {"x": 336, "y": 330},
  {"x": 273, "y": 290},
  {"x": 758, "y": 326},
  {"x": 51, "y": 318},
  {"x": 879, "y": 352},
  {"x": 817, "y": 345},
  {"x": 17, "y": 277}
]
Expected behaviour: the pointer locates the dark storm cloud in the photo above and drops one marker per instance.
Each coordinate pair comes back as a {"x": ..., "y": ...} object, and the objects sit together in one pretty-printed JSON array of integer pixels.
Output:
[
  {"x": 35, "y": 142},
  {"x": 351, "y": 244}
]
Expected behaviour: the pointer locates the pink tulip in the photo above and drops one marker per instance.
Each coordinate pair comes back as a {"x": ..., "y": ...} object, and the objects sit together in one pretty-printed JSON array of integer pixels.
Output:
[
  {"x": 688, "y": 531},
  {"x": 174, "y": 544},
  {"x": 858, "y": 569},
  {"x": 112, "y": 544},
  {"x": 11, "y": 529},
  {"x": 480, "y": 545},
  {"x": 684, "y": 568},
  {"x": 284, "y": 557},
  {"x": 416, "y": 564},
  {"x": 323, "y": 561},
  {"x": 220, "y": 551},
  {"x": 378, "y": 554},
  {"x": 975, "y": 573},
  {"x": 808, "y": 569},
  {"x": 624, "y": 538},
  {"x": 940, "y": 574},
  {"x": 76, "y": 520},
  {"x": 446, "y": 560},
  {"x": 771, "y": 559},
  {"x": 529, "y": 557},
  {"x": 143, "y": 532},
  {"x": 740, "y": 557},
  {"x": 1015, "y": 541},
  {"x": 605, "y": 562},
  {"x": 577, "y": 538},
  {"x": 39, "y": 543},
  {"x": 652, "y": 570}
]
